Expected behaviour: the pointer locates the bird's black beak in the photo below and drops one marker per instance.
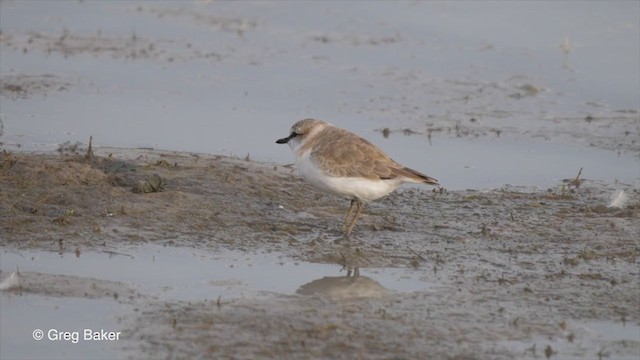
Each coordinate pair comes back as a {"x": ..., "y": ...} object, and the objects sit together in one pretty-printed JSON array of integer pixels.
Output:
[{"x": 284, "y": 140}]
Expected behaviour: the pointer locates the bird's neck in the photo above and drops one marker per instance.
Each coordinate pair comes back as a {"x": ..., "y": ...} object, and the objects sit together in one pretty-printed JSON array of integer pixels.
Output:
[{"x": 309, "y": 141}]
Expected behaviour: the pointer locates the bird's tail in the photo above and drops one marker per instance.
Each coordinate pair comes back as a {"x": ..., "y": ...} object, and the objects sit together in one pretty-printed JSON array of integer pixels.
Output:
[{"x": 416, "y": 176}]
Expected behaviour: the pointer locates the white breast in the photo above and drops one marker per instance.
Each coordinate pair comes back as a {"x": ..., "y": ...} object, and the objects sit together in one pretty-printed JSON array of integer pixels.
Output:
[{"x": 362, "y": 188}]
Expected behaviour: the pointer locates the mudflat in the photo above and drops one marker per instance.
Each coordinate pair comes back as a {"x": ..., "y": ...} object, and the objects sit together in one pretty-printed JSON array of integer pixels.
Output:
[{"x": 512, "y": 271}]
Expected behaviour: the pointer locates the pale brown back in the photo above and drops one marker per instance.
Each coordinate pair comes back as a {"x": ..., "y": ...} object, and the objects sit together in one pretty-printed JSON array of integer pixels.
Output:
[{"x": 341, "y": 153}]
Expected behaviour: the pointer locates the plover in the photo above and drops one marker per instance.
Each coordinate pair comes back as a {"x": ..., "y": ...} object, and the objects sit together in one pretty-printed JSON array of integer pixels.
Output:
[{"x": 339, "y": 162}]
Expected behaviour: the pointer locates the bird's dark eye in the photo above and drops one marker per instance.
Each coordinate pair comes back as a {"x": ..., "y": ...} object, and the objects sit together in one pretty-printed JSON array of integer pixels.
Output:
[{"x": 294, "y": 134}]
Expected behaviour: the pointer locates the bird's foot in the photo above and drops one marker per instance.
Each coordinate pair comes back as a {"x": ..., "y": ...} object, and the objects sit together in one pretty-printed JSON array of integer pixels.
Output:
[{"x": 353, "y": 272}]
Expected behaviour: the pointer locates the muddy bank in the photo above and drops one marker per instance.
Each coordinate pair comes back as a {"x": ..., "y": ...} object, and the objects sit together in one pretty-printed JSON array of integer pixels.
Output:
[
  {"x": 515, "y": 271},
  {"x": 210, "y": 201}
]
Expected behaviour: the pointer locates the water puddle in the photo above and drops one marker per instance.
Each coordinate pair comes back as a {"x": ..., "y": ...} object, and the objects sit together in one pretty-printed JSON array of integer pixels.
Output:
[
  {"x": 612, "y": 331},
  {"x": 171, "y": 273},
  {"x": 69, "y": 293},
  {"x": 589, "y": 339}
]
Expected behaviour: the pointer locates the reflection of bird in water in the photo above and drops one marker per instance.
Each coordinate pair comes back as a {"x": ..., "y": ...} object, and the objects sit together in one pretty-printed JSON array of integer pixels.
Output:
[
  {"x": 355, "y": 271},
  {"x": 344, "y": 287}
]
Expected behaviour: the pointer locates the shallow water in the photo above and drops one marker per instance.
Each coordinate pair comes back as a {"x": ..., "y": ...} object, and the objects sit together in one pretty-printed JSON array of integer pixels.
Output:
[
  {"x": 601, "y": 334},
  {"x": 161, "y": 273},
  {"x": 170, "y": 274},
  {"x": 488, "y": 163},
  {"x": 362, "y": 67}
]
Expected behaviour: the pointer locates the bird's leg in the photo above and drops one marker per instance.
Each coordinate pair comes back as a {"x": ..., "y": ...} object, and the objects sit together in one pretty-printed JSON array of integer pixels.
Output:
[
  {"x": 352, "y": 223},
  {"x": 346, "y": 218}
]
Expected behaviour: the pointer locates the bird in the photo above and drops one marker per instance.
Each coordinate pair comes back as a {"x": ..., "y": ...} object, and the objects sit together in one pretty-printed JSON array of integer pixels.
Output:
[{"x": 339, "y": 162}]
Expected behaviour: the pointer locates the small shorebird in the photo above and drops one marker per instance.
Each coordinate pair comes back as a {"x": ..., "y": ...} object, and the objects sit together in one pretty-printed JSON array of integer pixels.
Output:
[{"x": 339, "y": 162}]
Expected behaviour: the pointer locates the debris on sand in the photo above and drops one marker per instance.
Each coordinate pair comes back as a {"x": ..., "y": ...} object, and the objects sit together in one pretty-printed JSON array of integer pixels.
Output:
[
  {"x": 10, "y": 283},
  {"x": 619, "y": 199}
]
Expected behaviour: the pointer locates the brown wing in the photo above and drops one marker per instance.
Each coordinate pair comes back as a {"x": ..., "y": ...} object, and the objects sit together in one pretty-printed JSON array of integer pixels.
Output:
[{"x": 342, "y": 153}]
